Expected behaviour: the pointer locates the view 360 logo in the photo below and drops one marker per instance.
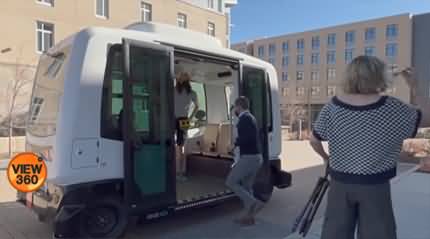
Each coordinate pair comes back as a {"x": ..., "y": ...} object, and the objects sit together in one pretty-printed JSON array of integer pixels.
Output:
[{"x": 27, "y": 172}]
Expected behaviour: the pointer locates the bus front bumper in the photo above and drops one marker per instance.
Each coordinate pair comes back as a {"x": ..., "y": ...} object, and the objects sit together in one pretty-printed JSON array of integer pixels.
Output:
[{"x": 47, "y": 204}]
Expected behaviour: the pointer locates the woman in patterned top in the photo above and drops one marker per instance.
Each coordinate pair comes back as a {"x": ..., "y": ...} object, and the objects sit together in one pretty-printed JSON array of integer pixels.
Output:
[{"x": 365, "y": 132}]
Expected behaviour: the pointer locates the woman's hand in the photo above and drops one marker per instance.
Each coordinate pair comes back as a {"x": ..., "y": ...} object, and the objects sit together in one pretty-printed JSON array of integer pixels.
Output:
[
  {"x": 409, "y": 75},
  {"x": 421, "y": 102}
]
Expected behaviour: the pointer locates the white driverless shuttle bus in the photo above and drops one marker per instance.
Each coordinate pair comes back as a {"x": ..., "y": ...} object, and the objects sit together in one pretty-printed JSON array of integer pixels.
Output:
[{"x": 103, "y": 167}]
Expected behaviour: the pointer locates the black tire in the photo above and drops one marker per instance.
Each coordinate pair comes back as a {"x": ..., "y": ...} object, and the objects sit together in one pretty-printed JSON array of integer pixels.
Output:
[{"x": 103, "y": 218}]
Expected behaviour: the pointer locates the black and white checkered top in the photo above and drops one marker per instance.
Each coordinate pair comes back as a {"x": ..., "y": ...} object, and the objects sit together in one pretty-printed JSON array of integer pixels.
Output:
[{"x": 365, "y": 141}]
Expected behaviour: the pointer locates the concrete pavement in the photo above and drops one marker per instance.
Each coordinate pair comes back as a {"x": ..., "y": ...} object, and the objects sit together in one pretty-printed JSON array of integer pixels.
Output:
[
  {"x": 411, "y": 202},
  {"x": 274, "y": 221}
]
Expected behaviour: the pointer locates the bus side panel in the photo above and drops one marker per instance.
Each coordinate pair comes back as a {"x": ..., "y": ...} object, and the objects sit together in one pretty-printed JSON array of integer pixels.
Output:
[{"x": 275, "y": 140}]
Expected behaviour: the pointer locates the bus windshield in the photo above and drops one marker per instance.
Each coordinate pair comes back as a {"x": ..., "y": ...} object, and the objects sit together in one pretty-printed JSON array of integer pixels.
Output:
[{"x": 47, "y": 92}]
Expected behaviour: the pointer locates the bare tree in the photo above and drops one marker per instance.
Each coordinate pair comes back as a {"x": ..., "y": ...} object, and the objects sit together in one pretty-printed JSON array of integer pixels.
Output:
[
  {"x": 16, "y": 90},
  {"x": 292, "y": 113}
]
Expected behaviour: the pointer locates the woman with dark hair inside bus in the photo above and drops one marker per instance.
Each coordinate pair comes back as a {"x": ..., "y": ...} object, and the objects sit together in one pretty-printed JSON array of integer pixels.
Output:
[
  {"x": 184, "y": 98},
  {"x": 365, "y": 131}
]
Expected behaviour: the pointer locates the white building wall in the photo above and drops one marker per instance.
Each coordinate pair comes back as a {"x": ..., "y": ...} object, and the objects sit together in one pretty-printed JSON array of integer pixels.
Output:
[{"x": 220, "y": 6}]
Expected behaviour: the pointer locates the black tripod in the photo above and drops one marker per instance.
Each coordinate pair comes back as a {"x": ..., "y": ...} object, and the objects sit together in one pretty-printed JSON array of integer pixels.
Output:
[{"x": 304, "y": 220}]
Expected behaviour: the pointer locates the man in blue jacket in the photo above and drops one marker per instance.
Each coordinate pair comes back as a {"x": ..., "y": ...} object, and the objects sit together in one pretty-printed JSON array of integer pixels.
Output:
[{"x": 242, "y": 176}]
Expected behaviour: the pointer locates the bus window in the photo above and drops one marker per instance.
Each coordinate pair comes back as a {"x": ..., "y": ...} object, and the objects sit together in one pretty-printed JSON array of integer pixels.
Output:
[
  {"x": 254, "y": 87},
  {"x": 257, "y": 81},
  {"x": 269, "y": 105},
  {"x": 112, "y": 99},
  {"x": 48, "y": 89}
]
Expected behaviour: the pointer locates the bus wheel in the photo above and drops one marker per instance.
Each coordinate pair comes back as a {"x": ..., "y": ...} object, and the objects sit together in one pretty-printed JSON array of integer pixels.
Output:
[{"x": 104, "y": 218}]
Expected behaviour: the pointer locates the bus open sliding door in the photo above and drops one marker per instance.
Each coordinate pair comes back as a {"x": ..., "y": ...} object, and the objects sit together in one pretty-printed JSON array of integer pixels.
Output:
[
  {"x": 148, "y": 126},
  {"x": 254, "y": 86}
]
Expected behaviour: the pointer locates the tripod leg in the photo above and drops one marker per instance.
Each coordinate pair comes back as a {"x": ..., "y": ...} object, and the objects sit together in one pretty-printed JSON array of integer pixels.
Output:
[
  {"x": 313, "y": 199},
  {"x": 306, "y": 208},
  {"x": 315, "y": 208}
]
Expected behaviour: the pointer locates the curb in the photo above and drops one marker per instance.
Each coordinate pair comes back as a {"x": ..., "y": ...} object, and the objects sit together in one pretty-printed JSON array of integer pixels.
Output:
[{"x": 404, "y": 174}]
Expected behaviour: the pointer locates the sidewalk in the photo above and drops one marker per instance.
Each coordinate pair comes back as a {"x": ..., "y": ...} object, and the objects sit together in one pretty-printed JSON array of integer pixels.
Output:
[{"x": 411, "y": 201}]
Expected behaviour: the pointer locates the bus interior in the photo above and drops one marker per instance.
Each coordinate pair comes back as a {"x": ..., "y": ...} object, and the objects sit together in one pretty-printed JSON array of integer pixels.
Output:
[{"x": 208, "y": 159}]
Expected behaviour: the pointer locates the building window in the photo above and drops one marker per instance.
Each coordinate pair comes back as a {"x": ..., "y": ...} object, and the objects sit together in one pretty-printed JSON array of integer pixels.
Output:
[
  {"x": 331, "y": 90},
  {"x": 102, "y": 8},
  {"x": 300, "y": 59},
  {"x": 272, "y": 61},
  {"x": 315, "y": 59},
  {"x": 331, "y": 40},
  {"x": 300, "y": 45},
  {"x": 315, "y": 42},
  {"x": 349, "y": 55},
  {"x": 211, "y": 4},
  {"x": 392, "y": 31},
  {"x": 35, "y": 108},
  {"x": 315, "y": 90},
  {"x": 285, "y": 48},
  {"x": 315, "y": 75},
  {"x": 285, "y": 61},
  {"x": 369, "y": 51},
  {"x": 220, "y": 5},
  {"x": 284, "y": 76},
  {"x": 284, "y": 91},
  {"x": 331, "y": 74},
  {"x": 391, "y": 50},
  {"x": 261, "y": 51},
  {"x": 45, "y": 36},
  {"x": 146, "y": 11},
  {"x": 350, "y": 38},
  {"x": 272, "y": 50},
  {"x": 46, "y": 2},
  {"x": 182, "y": 20},
  {"x": 211, "y": 28},
  {"x": 331, "y": 57},
  {"x": 370, "y": 34},
  {"x": 300, "y": 75},
  {"x": 300, "y": 91}
]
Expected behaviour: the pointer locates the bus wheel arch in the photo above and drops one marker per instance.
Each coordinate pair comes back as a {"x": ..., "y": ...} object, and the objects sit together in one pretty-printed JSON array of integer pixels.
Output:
[{"x": 103, "y": 218}]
